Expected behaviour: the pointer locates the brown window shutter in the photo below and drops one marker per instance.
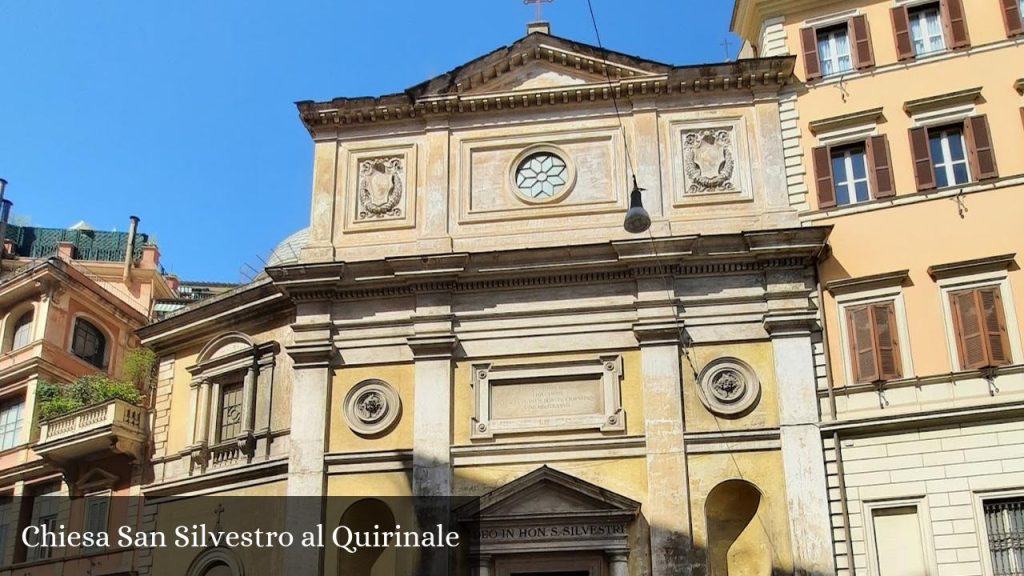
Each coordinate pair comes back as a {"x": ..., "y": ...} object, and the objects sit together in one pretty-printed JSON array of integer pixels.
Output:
[
  {"x": 890, "y": 365},
  {"x": 880, "y": 167},
  {"x": 863, "y": 54},
  {"x": 969, "y": 327},
  {"x": 1012, "y": 17},
  {"x": 924, "y": 172},
  {"x": 979, "y": 148},
  {"x": 812, "y": 64},
  {"x": 901, "y": 28},
  {"x": 862, "y": 344},
  {"x": 955, "y": 23},
  {"x": 997, "y": 337},
  {"x": 823, "y": 176}
]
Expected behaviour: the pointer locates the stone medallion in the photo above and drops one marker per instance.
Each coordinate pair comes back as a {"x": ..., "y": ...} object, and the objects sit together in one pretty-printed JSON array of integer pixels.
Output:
[
  {"x": 709, "y": 161},
  {"x": 729, "y": 387},
  {"x": 371, "y": 407},
  {"x": 380, "y": 187}
]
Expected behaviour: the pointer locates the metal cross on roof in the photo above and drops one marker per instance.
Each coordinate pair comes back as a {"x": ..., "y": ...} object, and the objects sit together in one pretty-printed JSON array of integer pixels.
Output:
[{"x": 539, "y": 4}]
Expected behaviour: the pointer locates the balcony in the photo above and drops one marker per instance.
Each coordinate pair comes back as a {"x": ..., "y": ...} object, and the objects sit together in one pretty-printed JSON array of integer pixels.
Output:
[{"x": 114, "y": 427}]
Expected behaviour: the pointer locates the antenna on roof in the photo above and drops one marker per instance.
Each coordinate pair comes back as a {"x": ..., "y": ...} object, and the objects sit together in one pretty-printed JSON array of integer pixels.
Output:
[{"x": 728, "y": 54}]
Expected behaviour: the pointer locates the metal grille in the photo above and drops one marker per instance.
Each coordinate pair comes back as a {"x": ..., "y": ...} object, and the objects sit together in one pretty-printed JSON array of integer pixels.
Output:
[
  {"x": 1004, "y": 522},
  {"x": 230, "y": 412},
  {"x": 92, "y": 245}
]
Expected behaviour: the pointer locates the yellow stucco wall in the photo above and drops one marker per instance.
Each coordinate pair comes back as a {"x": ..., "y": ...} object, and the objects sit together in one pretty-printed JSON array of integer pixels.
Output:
[
  {"x": 770, "y": 528},
  {"x": 399, "y": 436},
  {"x": 759, "y": 356}
]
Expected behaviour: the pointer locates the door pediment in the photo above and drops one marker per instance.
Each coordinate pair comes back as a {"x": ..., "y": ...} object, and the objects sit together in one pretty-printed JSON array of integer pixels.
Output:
[{"x": 549, "y": 510}]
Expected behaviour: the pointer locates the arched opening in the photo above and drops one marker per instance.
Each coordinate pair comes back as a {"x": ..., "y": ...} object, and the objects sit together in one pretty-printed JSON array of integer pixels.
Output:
[
  {"x": 21, "y": 332},
  {"x": 738, "y": 543},
  {"x": 362, "y": 517},
  {"x": 89, "y": 343},
  {"x": 216, "y": 562},
  {"x": 218, "y": 569}
]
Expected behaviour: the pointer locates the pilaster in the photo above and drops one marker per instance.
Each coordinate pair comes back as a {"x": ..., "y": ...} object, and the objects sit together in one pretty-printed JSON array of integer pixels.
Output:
[
  {"x": 313, "y": 356},
  {"x": 433, "y": 198},
  {"x": 802, "y": 451},
  {"x": 670, "y": 523}
]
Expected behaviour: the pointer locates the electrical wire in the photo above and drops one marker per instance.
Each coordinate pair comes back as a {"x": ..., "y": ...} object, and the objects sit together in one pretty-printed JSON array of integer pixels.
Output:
[{"x": 611, "y": 91}]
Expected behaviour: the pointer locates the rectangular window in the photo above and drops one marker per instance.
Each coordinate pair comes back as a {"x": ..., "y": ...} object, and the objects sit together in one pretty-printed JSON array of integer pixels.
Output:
[
  {"x": 1004, "y": 525},
  {"x": 834, "y": 50},
  {"x": 850, "y": 174},
  {"x": 45, "y": 507},
  {"x": 899, "y": 547},
  {"x": 230, "y": 423},
  {"x": 97, "y": 508},
  {"x": 11, "y": 422},
  {"x": 926, "y": 29},
  {"x": 6, "y": 515},
  {"x": 979, "y": 324},
  {"x": 873, "y": 342},
  {"x": 949, "y": 156}
]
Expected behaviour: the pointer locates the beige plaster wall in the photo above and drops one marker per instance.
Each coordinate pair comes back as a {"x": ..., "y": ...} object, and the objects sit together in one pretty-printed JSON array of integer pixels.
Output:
[{"x": 399, "y": 436}]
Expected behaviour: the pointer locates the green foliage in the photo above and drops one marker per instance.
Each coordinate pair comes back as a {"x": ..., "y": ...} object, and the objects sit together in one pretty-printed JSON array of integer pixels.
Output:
[
  {"x": 138, "y": 367},
  {"x": 56, "y": 399}
]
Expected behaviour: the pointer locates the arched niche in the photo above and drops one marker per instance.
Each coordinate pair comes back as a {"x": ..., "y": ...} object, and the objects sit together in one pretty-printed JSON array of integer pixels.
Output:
[
  {"x": 362, "y": 516},
  {"x": 216, "y": 562},
  {"x": 738, "y": 541}
]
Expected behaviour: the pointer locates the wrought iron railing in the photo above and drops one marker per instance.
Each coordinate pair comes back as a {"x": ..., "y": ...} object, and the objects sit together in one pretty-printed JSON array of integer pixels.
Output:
[{"x": 92, "y": 245}]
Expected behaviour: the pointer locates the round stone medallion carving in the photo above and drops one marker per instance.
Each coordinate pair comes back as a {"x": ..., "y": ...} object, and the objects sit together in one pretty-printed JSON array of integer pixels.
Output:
[
  {"x": 371, "y": 407},
  {"x": 729, "y": 387},
  {"x": 542, "y": 174}
]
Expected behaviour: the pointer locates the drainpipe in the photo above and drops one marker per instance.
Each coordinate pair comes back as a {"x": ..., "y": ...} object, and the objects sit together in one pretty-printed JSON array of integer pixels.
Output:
[{"x": 130, "y": 251}]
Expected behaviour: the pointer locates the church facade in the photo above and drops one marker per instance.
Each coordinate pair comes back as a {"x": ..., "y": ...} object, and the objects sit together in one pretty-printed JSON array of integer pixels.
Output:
[{"x": 466, "y": 317}]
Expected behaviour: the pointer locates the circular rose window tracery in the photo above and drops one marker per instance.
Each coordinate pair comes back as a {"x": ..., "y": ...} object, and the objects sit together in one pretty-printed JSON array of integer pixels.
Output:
[{"x": 542, "y": 174}]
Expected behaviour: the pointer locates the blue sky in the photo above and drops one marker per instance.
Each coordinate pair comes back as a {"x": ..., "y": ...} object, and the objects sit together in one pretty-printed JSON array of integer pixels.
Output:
[{"x": 182, "y": 112}]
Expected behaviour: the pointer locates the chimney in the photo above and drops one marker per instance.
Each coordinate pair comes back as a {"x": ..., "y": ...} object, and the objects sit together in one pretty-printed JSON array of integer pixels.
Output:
[
  {"x": 541, "y": 26},
  {"x": 5, "y": 213},
  {"x": 130, "y": 250}
]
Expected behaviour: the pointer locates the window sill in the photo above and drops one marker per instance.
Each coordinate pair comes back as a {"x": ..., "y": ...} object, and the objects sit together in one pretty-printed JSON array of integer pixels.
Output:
[
  {"x": 916, "y": 61},
  {"x": 912, "y": 198}
]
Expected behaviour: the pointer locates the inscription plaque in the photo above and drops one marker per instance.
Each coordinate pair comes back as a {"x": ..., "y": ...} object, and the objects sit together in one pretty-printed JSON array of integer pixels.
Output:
[
  {"x": 544, "y": 399},
  {"x": 571, "y": 395}
]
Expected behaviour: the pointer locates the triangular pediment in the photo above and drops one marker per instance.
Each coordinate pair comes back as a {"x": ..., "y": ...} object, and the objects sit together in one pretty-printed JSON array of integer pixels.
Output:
[
  {"x": 549, "y": 492},
  {"x": 535, "y": 62}
]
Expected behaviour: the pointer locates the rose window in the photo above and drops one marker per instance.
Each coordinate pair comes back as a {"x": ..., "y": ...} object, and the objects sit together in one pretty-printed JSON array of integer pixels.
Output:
[{"x": 541, "y": 176}]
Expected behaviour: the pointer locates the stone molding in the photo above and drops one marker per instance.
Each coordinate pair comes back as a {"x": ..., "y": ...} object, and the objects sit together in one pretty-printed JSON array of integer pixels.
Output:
[
  {"x": 796, "y": 323},
  {"x": 372, "y": 407},
  {"x": 835, "y": 123},
  {"x": 864, "y": 283},
  {"x": 606, "y": 369},
  {"x": 952, "y": 99},
  {"x": 549, "y": 451},
  {"x": 432, "y": 346},
  {"x": 970, "y": 267},
  {"x": 728, "y": 387}
]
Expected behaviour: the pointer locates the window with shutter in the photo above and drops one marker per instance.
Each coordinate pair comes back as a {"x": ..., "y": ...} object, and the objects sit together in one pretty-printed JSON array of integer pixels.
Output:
[
  {"x": 863, "y": 53},
  {"x": 97, "y": 508},
  {"x": 835, "y": 55},
  {"x": 823, "y": 177},
  {"x": 927, "y": 29},
  {"x": 874, "y": 344},
  {"x": 850, "y": 174},
  {"x": 979, "y": 148},
  {"x": 1013, "y": 10},
  {"x": 882, "y": 185},
  {"x": 812, "y": 66},
  {"x": 901, "y": 30},
  {"x": 924, "y": 172},
  {"x": 954, "y": 21},
  {"x": 979, "y": 323}
]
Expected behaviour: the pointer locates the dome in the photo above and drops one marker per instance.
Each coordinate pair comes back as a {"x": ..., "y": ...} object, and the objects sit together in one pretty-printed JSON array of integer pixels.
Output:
[{"x": 288, "y": 250}]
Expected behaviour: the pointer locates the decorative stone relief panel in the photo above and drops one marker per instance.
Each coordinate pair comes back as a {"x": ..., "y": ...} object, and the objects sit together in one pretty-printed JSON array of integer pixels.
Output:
[
  {"x": 371, "y": 407},
  {"x": 554, "y": 396},
  {"x": 728, "y": 387},
  {"x": 379, "y": 187},
  {"x": 549, "y": 173},
  {"x": 710, "y": 162}
]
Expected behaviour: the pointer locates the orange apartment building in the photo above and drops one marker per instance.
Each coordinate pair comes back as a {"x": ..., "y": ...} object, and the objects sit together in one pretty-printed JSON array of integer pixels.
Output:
[
  {"x": 906, "y": 136},
  {"x": 70, "y": 302}
]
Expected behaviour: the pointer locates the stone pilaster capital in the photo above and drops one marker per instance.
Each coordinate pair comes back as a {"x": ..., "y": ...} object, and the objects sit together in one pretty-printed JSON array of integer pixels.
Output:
[
  {"x": 432, "y": 346},
  {"x": 790, "y": 323},
  {"x": 618, "y": 555},
  {"x": 312, "y": 354},
  {"x": 658, "y": 332}
]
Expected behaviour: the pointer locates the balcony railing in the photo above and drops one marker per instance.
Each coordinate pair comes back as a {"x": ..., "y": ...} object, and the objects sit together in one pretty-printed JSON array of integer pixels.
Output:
[{"x": 114, "y": 426}]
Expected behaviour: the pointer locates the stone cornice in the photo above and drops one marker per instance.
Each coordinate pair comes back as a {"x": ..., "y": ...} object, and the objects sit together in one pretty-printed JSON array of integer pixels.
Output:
[
  {"x": 612, "y": 75},
  {"x": 968, "y": 96},
  {"x": 512, "y": 269},
  {"x": 976, "y": 266},
  {"x": 861, "y": 283},
  {"x": 747, "y": 15},
  {"x": 845, "y": 121}
]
